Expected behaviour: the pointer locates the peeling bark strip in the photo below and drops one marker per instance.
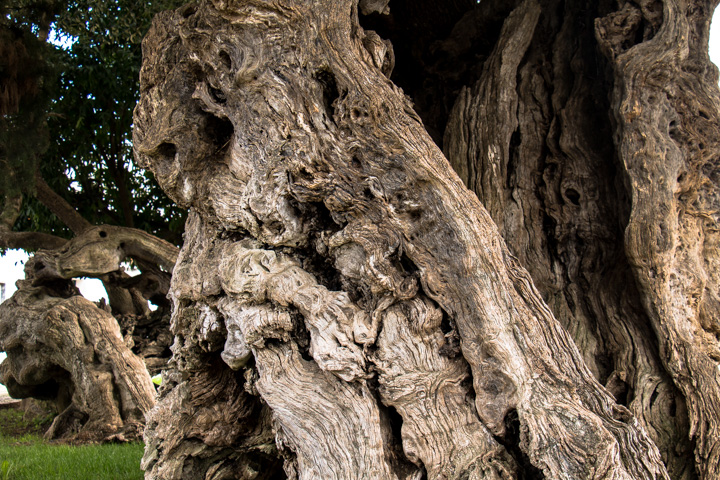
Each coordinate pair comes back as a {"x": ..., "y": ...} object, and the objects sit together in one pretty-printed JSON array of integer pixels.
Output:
[
  {"x": 665, "y": 102},
  {"x": 324, "y": 222}
]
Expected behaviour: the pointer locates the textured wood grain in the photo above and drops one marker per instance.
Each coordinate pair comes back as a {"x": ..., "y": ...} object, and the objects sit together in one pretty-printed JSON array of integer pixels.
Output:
[
  {"x": 92, "y": 366},
  {"x": 548, "y": 172},
  {"x": 62, "y": 347},
  {"x": 430, "y": 389},
  {"x": 665, "y": 103},
  {"x": 101, "y": 249},
  {"x": 319, "y": 201}
]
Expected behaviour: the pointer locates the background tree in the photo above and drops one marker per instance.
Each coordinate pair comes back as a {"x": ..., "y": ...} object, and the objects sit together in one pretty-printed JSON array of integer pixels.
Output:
[
  {"x": 344, "y": 306},
  {"x": 69, "y": 83},
  {"x": 89, "y": 79}
]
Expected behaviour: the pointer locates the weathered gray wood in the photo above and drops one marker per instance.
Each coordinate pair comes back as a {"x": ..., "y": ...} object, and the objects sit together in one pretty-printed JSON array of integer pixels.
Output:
[
  {"x": 101, "y": 249},
  {"x": 65, "y": 349},
  {"x": 441, "y": 428},
  {"x": 547, "y": 171},
  {"x": 62, "y": 347},
  {"x": 319, "y": 199},
  {"x": 665, "y": 105}
]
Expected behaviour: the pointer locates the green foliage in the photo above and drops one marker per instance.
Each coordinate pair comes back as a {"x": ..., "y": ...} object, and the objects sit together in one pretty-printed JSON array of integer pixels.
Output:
[
  {"x": 122, "y": 22},
  {"x": 15, "y": 423},
  {"x": 5, "y": 469},
  {"x": 93, "y": 128},
  {"x": 25, "y": 455},
  {"x": 28, "y": 67},
  {"x": 12, "y": 420},
  {"x": 88, "y": 119}
]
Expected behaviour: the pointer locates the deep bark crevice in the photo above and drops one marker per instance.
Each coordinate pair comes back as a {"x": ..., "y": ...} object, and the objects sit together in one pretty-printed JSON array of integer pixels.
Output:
[
  {"x": 578, "y": 212},
  {"x": 512, "y": 442},
  {"x": 675, "y": 89},
  {"x": 220, "y": 130},
  {"x": 440, "y": 48},
  {"x": 330, "y": 91},
  {"x": 402, "y": 465}
]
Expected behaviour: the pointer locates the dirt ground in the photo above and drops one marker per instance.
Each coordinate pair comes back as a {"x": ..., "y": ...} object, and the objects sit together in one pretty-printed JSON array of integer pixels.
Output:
[{"x": 19, "y": 418}]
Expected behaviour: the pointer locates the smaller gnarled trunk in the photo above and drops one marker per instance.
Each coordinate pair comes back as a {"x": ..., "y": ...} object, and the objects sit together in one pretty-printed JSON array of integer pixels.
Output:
[{"x": 92, "y": 366}]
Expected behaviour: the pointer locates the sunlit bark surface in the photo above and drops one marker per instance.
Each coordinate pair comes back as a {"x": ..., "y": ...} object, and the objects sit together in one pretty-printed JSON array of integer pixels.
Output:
[{"x": 344, "y": 307}]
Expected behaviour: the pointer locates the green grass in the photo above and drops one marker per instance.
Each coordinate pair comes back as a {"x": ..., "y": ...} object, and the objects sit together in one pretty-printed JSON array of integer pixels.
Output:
[{"x": 28, "y": 456}]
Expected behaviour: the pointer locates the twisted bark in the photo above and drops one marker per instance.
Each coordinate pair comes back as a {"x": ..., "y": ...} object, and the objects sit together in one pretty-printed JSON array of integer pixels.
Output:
[
  {"x": 95, "y": 368},
  {"x": 325, "y": 221},
  {"x": 63, "y": 348},
  {"x": 665, "y": 104},
  {"x": 548, "y": 173}
]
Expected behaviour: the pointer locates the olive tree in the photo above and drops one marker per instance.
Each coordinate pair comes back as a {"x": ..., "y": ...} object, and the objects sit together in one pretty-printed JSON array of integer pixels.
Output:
[{"x": 348, "y": 305}]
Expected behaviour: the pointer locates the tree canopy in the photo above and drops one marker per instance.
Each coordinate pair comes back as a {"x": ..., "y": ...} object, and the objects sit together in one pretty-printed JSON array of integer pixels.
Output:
[{"x": 69, "y": 74}]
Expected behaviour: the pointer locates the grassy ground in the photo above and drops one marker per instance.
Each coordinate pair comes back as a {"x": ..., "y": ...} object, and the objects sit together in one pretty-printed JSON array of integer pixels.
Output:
[{"x": 24, "y": 455}]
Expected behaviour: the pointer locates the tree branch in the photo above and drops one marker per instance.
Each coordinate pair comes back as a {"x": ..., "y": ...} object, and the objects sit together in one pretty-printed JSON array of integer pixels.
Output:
[
  {"x": 60, "y": 207},
  {"x": 100, "y": 250},
  {"x": 10, "y": 211},
  {"x": 29, "y": 240},
  {"x": 118, "y": 172},
  {"x": 23, "y": 240}
]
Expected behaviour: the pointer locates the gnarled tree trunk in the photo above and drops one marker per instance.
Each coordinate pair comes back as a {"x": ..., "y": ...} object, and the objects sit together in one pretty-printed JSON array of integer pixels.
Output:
[
  {"x": 92, "y": 366},
  {"x": 602, "y": 201},
  {"x": 64, "y": 349},
  {"x": 346, "y": 308}
]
